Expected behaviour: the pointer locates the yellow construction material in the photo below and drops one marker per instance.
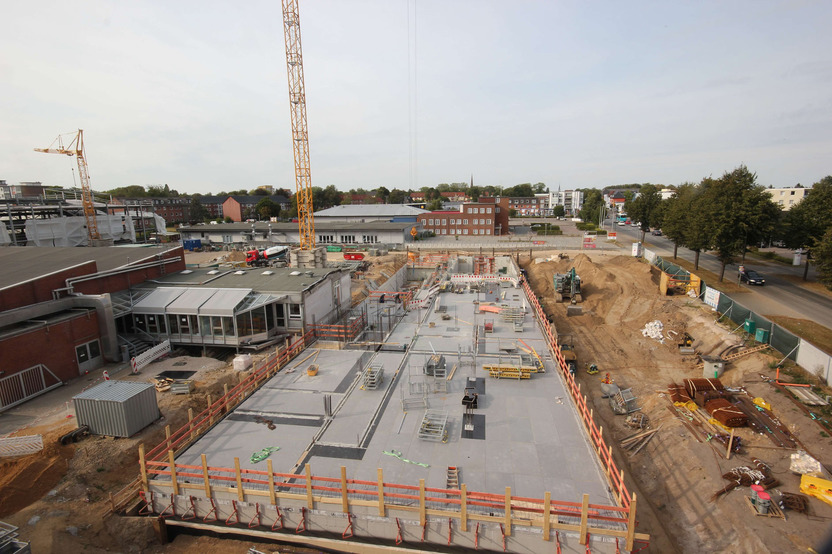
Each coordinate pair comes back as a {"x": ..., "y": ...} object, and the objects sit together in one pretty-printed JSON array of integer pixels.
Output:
[
  {"x": 762, "y": 403},
  {"x": 503, "y": 371},
  {"x": 817, "y": 487}
]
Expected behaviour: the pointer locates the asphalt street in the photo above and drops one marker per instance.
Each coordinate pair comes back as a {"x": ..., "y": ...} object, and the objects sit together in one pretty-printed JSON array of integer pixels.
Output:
[{"x": 778, "y": 297}]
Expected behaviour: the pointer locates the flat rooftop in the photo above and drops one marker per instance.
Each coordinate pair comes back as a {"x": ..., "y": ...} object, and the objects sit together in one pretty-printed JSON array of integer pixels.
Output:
[
  {"x": 261, "y": 279},
  {"x": 19, "y": 264},
  {"x": 526, "y": 433}
]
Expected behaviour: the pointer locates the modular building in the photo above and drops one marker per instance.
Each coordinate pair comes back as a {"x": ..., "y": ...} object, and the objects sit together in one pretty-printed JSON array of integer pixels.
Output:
[{"x": 117, "y": 408}]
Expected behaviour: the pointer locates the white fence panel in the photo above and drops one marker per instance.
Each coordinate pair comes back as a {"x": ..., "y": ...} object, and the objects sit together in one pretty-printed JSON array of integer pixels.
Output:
[
  {"x": 21, "y": 446},
  {"x": 814, "y": 360}
]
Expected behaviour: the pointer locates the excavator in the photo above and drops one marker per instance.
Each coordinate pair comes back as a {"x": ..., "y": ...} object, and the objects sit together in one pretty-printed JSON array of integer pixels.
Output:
[{"x": 568, "y": 285}]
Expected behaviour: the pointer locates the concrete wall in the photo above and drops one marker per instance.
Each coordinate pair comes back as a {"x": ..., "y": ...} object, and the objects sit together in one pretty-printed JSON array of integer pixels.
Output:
[
  {"x": 51, "y": 345},
  {"x": 814, "y": 360}
]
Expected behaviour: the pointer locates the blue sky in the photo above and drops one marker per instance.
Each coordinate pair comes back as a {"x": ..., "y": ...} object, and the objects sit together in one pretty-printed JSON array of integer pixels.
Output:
[{"x": 572, "y": 94}]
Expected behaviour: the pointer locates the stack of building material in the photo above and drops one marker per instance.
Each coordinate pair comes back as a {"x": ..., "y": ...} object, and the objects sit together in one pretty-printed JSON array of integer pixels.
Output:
[
  {"x": 678, "y": 394},
  {"x": 692, "y": 386},
  {"x": 726, "y": 413}
]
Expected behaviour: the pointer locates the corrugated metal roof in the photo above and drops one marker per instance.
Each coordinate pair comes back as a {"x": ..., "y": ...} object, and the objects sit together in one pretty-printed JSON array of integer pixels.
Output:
[
  {"x": 114, "y": 391},
  {"x": 157, "y": 301},
  {"x": 190, "y": 301},
  {"x": 369, "y": 210},
  {"x": 223, "y": 302}
]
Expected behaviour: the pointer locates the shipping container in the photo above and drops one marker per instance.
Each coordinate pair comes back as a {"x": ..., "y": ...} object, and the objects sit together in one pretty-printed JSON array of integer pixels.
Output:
[
  {"x": 117, "y": 408},
  {"x": 192, "y": 244}
]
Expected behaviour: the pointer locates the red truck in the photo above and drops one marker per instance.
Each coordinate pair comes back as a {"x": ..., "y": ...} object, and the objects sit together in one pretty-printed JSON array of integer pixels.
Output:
[
  {"x": 353, "y": 256},
  {"x": 264, "y": 257}
]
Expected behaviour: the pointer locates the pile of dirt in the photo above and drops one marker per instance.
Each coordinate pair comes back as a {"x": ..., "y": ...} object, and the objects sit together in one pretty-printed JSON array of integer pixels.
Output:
[{"x": 27, "y": 478}]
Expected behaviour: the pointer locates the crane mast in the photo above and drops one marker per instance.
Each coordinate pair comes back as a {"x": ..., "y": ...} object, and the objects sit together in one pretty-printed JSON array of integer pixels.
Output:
[
  {"x": 76, "y": 148},
  {"x": 300, "y": 136}
]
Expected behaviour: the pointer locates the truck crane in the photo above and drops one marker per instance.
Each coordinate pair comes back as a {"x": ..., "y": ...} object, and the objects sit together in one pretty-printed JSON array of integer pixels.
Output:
[
  {"x": 76, "y": 148},
  {"x": 300, "y": 135}
]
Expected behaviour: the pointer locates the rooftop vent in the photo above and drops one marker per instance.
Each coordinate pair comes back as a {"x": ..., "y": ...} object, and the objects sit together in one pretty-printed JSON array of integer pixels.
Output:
[
  {"x": 239, "y": 273},
  {"x": 267, "y": 273},
  {"x": 295, "y": 273},
  {"x": 310, "y": 274},
  {"x": 186, "y": 271},
  {"x": 213, "y": 272}
]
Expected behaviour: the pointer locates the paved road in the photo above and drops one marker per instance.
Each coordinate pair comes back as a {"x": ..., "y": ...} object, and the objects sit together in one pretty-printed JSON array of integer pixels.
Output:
[{"x": 778, "y": 297}]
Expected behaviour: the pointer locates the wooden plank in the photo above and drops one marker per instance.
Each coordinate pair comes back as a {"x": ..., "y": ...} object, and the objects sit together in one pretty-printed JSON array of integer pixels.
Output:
[
  {"x": 508, "y": 512},
  {"x": 206, "y": 482},
  {"x": 584, "y": 515},
  {"x": 463, "y": 508},
  {"x": 143, "y": 467},
  {"x": 345, "y": 501},
  {"x": 173, "y": 482},
  {"x": 309, "y": 502},
  {"x": 422, "y": 518},
  {"x": 631, "y": 524},
  {"x": 380, "y": 493},
  {"x": 240, "y": 494},
  {"x": 272, "y": 496},
  {"x": 547, "y": 511}
]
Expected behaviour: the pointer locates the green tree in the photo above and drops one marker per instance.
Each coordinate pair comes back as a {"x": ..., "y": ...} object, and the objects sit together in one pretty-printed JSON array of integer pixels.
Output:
[
  {"x": 199, "y": 213},
  {"x": 806, "y": 223},
  {"x": 696, "y": 233},
  {"x": 130, "y": 191},
  {"x": 267, "y": 208},
  {"x": 397, "y": 196},
  {"x": 259, "y": 191},
  {"x": 434, "y": 205},
  {"x": 645, "y": 208},
  {"x": 677, "y": 214},
  {"x": 593, "y": 200},
  {"x": 739, "y": 212},
  {"x": 383, "y": 193},
  {"x": 558, "y": 211},
  {"x": 822, "y": 255}
]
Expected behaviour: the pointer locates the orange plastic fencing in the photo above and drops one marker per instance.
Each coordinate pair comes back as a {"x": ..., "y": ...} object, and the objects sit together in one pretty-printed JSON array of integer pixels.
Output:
[{"x": 615, "y": 476}]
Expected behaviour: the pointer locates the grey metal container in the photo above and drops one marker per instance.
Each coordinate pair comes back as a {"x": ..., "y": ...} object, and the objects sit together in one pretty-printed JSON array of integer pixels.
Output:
[{"x": 117, "y": 408}]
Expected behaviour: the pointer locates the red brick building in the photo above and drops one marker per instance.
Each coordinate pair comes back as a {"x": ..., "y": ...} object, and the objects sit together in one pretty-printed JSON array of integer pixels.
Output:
[
  {"x": 60, "y": 309},
  {"x": 472, "y": 219},
  {"x": 524, "y": 206},
  {"x": 240, "y": 208}
]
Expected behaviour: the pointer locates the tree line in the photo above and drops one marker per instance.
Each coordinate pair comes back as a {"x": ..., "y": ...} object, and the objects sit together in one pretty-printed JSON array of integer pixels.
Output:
[{"x": 728, "y": 214}]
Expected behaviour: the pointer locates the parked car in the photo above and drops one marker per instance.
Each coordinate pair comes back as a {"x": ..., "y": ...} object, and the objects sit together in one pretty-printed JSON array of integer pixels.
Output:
[
  {"x": 656, "y": 232},
  {"x": 752, "y": 277}
]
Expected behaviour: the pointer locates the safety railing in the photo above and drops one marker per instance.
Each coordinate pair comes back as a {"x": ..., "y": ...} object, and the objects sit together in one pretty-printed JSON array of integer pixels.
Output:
[
  {"x": 390, "y": 499},
  {"x": 343, "y": 332}
]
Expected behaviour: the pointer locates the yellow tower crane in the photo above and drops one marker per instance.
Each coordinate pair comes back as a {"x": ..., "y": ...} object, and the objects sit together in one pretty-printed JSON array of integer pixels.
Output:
[
  {"x": 76, "y": 148},
  {"x": 300, "y": 135}
]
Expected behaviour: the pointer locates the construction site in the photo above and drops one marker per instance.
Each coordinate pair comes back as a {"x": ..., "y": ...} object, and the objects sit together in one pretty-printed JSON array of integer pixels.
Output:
[
  {"x": 465, "y": 409},
  {"x": 420, "y": 400}
]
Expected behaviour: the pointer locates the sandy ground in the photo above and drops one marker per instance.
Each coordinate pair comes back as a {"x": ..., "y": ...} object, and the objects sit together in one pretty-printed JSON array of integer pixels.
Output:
[{"x": 675, "y": 475}]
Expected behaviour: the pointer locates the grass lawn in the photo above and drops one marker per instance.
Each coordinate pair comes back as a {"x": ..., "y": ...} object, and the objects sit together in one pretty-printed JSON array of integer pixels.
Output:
[{"x": 818, "y": 335}]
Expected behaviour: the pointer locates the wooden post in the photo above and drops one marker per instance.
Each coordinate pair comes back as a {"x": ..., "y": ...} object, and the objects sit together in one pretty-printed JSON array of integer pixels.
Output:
[
  {"x": 173, "y": 472},
  {"x": 143, "y": 467},
  {"x": 210, "y": 414},
  {"x": 547, "y": 514},
  {"x": 730, "y": 442},
  {"x": 584, "y": 517},
  {"x": 191, "y": 422},
  {"x": 205, "y": 480},
  {"x": 167, "y": 435},
  {"x": 240, "y": 496},
  {"x": 631, "y": 525},
  {"x": 422, "y": 512},
  {"x": 345, "y": 502},
  {"x": 272, "y": 495},
  {"x": 309, "y": 502},
  {"x": 508, "y": 510},
  {"x": 463, "y": 508},
  {"x": 380, "y": 493}
]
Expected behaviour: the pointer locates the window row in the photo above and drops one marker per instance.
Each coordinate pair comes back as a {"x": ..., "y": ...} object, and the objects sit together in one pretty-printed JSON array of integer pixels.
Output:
[{"x": 479, "y": 210}]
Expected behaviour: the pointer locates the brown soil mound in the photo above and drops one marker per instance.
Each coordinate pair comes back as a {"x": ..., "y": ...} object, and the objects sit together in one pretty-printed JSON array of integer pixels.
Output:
[
  {"x": 380, "y": 270},
  {"x": 25, "y": 479}
]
